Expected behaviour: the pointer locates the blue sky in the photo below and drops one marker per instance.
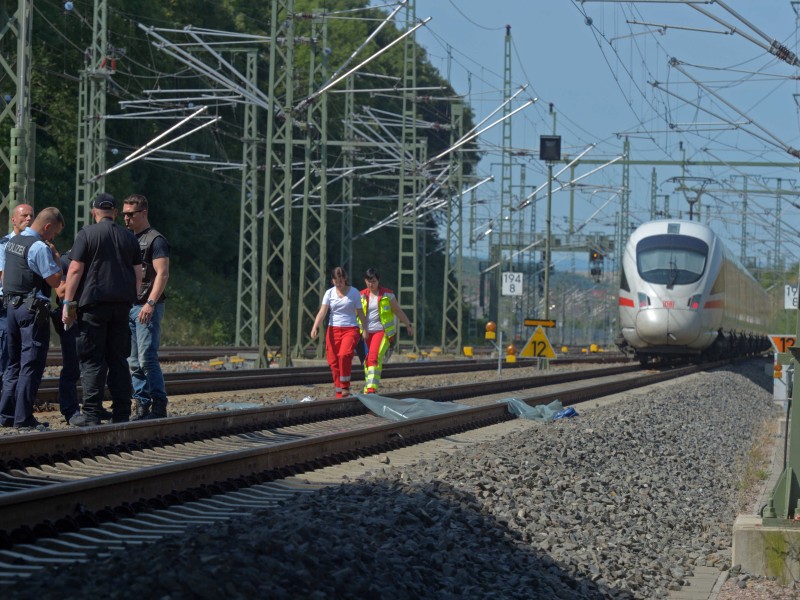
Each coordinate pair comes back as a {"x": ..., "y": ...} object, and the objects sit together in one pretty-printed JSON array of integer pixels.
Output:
[{"x": 727, "y": 100}]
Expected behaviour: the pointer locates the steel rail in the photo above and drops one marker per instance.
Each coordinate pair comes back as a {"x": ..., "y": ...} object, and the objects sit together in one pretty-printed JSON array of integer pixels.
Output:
[{"x": 188, "y": 382}]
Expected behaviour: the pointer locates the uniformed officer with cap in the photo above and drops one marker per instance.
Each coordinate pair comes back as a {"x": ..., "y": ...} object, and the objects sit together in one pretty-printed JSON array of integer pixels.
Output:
[
  {"x": 102, "y": 281},
  {"x": 31, "y": 269}
]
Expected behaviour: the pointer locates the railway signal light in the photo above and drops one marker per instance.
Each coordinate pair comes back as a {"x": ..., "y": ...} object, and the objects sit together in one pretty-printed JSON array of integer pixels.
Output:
[
  {"x": 596, "y": 264},
  {"x": 491, "y": 328},
  {"x": 777, "y": 371}
]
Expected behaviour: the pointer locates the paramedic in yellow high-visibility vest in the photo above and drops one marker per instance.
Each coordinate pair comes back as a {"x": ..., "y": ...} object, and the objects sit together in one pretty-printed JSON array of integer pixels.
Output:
[{"x": 380, "y": 307}]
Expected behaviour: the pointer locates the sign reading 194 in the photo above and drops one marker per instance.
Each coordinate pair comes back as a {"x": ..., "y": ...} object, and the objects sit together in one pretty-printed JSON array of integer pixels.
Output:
[{"x": 512, "y": 284}]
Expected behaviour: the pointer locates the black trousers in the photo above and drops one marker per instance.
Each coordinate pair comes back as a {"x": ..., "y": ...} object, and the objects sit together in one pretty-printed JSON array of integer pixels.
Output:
[{"x": 104, "y": 343}]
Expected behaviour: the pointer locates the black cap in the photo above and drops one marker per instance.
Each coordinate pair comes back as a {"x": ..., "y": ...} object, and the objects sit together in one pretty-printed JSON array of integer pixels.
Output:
[{"x": 104, "y": 201}]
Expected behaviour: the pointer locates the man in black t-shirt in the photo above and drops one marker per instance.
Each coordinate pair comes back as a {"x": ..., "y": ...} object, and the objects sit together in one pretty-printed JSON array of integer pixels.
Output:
[
  {"x": 149, "y": 391},
  {"x": 102, "y": 281}
]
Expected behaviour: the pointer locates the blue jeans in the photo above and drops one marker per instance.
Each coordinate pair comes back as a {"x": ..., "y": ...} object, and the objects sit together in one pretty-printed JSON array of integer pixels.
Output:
[{"x": 146, "y": 375}]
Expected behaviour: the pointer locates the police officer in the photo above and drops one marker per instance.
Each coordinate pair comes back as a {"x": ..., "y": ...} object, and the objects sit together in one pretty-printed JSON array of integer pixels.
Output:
[
  {"x": 31, "y": 269},
  {"x": 102, "y": 281},
  {"x": 21, "y": 217}
]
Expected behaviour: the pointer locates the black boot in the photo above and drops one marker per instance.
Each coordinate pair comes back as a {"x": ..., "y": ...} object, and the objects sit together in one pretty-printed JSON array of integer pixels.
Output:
[
  {"x": 140, "y": 411},
  {"x": 157, "y": 410}
]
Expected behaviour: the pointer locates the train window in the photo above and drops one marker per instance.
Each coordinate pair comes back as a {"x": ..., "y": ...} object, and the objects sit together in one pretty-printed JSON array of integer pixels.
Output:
[
  {"x": 671, "y": 259},
  {"x": 623, "y": 282}
]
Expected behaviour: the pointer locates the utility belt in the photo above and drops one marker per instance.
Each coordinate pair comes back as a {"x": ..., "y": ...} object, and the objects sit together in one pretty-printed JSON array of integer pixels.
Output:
[{"x": 30, "y": 301}]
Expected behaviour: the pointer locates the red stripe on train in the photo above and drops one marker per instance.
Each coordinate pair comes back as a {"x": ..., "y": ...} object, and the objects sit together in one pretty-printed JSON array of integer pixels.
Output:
[{"x": 626, "y": 301}]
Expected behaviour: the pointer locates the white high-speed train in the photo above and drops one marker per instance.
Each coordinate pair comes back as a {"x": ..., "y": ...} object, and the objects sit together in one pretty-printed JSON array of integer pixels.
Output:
[{"x": 682, "y": 293}]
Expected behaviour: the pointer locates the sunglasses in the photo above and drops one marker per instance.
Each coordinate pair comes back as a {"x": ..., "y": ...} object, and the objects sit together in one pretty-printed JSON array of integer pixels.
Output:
[{"x": 129, "y": 215}]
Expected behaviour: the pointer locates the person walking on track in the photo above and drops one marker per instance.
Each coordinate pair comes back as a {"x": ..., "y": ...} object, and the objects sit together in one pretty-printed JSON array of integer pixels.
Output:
[
  {"x": 342, "y": 334},
  {"x": 382, "y": 310}
]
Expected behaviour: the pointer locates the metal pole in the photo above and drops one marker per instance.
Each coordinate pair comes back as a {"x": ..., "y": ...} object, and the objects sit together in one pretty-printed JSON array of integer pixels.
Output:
[
  {"x": 547, "y": 241},
  {"x": 499, "y": 352}
]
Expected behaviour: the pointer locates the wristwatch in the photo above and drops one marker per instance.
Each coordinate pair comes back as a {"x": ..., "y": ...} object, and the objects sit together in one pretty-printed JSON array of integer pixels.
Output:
[{"x": 151, "y": 303}]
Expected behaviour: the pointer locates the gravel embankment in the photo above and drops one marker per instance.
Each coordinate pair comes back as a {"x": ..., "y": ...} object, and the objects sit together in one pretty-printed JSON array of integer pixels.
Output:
[{"x": 620, "y": 502}]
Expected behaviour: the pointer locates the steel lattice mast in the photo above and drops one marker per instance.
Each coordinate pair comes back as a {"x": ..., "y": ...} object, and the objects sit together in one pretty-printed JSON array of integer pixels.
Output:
[
  {"x": 348, "y": 196},
  {"x": 313, "y": 246},
  {"x": 17, "y": 110},
  {"x": 91, "y": 147},
  {"x": 276, "y": 255},
  {"x": 408, "y": 187},
  {"x": 247, "y": 280},
  {"x": 453, "y": 268}
]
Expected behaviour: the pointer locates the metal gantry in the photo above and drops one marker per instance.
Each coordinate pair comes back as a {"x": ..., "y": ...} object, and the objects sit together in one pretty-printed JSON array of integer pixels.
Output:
[
  {"x": 247, "y": 277},
  {"x": 16, "y": 110},
  {"x": 91, "y": 143},
  {"x": 453, "y": 300},
  {"x": 276, "y": 255},
  {"x": 313, "y": 235},
  {"x": 504, "y": 226},
  {"x": 408, "y": 188},
  {"x": 348, "y": 195}
]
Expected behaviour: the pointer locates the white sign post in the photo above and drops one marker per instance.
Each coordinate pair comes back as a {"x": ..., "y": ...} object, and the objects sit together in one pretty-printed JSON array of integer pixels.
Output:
[
  {"x": 512, "y": 284},
  {"x": 789, "y": 297}
]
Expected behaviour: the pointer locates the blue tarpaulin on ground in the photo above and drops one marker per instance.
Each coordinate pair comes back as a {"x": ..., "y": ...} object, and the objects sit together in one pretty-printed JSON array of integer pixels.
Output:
[
  {"x": 406, "y": 408},
  {"x": 540, "y": 412}
]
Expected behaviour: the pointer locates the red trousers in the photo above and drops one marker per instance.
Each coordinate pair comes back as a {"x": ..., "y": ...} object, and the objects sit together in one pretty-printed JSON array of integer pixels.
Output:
[{"x": 340, "y": 344}]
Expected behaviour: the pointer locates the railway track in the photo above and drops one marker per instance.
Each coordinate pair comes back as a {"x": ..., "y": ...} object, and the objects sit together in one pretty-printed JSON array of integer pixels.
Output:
[
  {"x": 193, "y": 382},
  {"x": 176, "y": 353},
  {"x": 205, "y": 353},
  {"x": 60, "y": 483}
]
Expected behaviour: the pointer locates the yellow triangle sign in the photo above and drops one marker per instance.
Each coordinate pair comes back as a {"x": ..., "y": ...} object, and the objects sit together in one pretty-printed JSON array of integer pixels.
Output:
[
  {"x": 782, "y": 343},
  {"x": 538, "y": 346}
]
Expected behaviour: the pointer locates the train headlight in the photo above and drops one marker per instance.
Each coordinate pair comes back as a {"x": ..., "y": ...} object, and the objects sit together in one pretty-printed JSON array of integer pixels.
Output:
[
  {"x": 644, "y": 300},
  {"x": 694, "y": 301}
]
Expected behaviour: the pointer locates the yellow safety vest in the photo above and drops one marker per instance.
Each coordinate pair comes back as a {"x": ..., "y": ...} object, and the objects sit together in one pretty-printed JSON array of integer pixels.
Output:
[{"x": 385, "y": 312}]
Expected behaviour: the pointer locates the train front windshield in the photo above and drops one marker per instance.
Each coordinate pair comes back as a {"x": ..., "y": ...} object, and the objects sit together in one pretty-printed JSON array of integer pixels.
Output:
[{"x": 671, "y": 259}]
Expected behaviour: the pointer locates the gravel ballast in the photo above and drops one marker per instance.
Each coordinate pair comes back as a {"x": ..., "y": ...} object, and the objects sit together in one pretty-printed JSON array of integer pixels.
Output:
[{"x": 622, "y": 501}]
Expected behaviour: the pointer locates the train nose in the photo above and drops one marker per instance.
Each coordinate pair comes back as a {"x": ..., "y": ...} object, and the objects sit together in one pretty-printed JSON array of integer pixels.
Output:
[{"x": 667, "y": 327}]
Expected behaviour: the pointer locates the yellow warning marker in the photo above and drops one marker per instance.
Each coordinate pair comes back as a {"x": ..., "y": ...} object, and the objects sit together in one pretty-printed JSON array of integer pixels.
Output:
[
  {"x": 782, "y": 343},
  {"x": 538, "y": 346}
]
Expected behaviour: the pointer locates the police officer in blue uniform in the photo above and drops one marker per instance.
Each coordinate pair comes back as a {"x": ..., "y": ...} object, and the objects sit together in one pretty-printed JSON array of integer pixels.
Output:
[
  {"x": 21, "y": 217},
  {"x": 31, "y": 269}
]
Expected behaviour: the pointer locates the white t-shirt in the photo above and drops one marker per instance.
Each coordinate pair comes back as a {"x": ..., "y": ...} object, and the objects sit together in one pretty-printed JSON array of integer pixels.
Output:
[
  {"x": 343, "y": 310},
  {"x": 373, "y": 314}
]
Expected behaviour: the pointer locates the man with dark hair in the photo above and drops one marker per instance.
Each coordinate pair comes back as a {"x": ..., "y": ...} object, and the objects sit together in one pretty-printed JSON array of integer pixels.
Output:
[
  {"x": 149, "y": 391},
  {"x": 30, "y": 270},
  {"x": 102, "y": 280}
]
